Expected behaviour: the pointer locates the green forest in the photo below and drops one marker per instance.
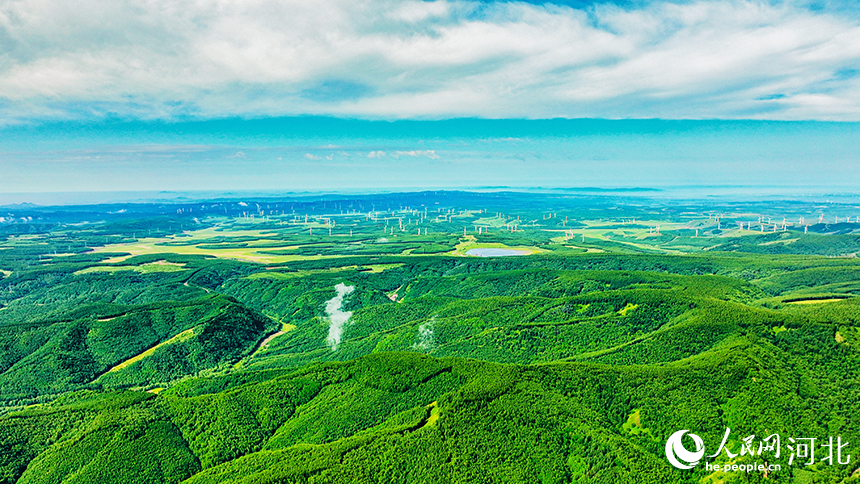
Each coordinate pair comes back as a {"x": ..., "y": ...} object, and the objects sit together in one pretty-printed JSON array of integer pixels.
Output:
[{"x": 360, "y": 340}]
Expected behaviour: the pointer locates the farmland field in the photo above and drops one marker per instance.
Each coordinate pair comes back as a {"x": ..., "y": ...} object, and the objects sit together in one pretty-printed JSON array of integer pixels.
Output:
[{"x": 328, "y": 340}]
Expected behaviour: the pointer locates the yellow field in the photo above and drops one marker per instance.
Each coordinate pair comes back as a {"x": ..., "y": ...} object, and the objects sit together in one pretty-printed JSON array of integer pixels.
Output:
[
  {"x": 816, "y": 301},
  {"x": 201, "y": 244},
  {"x": 374, "y": 268},
  {"x": 434, "y": 414},
  {"x": 250, "y": 254},
  {"x": 157, "y": 266},
  {"x": 148, "y": 246},
  {"x": 188, "y": 333},
  {"x": 601, "y": 231}
]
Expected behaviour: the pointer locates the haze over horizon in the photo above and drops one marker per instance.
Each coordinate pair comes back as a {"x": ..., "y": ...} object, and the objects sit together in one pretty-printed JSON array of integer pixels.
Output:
[{"x": 265, "y": 95}]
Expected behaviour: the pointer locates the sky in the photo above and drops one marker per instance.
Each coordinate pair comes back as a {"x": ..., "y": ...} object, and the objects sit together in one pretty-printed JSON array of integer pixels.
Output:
[
  {"x": 326, "y": 154},
  {"x": 351, "y": 94},
  {"x": 160, "y": 59}
]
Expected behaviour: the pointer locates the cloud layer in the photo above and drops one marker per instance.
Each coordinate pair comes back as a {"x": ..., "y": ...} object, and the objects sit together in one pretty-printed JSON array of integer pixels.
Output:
[{"x": 412, "y": 59}]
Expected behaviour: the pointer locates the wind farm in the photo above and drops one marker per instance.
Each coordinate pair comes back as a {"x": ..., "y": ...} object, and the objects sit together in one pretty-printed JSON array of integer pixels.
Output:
[
  {"x": 278, "y": 232},
  {"x": 430, "y": 241},
  {"x": 406, "y": 308}
]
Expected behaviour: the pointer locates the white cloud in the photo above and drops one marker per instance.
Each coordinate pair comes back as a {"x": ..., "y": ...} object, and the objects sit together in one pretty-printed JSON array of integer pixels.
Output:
[
  {"x": 376, "y": 154},
  {"x": 390, "y": 58},
  {"x": 415, "y": 153},
  {"x": 416, "y": 11},
  {"x": 311, "y": 157}
]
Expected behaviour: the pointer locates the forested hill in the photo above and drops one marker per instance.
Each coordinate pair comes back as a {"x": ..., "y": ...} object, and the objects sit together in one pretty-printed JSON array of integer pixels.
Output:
[
  {"x": 406, "y": 417},
  {"x": 228, "y": 349}
]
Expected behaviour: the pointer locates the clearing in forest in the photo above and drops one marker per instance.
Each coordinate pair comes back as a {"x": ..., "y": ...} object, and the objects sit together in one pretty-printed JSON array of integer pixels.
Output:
[{"x": 188, "y": 333}]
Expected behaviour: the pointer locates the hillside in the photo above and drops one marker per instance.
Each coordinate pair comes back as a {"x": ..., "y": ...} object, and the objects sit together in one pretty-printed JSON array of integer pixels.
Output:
[{"x": 267, "y": 351}]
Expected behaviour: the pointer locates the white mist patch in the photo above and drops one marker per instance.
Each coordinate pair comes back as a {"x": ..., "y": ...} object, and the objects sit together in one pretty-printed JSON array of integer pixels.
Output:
[
  {"x": 337, "y": 318},
  {"x": 425, "y": 335}
]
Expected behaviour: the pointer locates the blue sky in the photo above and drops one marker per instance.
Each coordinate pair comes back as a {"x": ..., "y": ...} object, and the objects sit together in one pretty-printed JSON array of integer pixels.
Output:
[{"x": 290, "y": 94}]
